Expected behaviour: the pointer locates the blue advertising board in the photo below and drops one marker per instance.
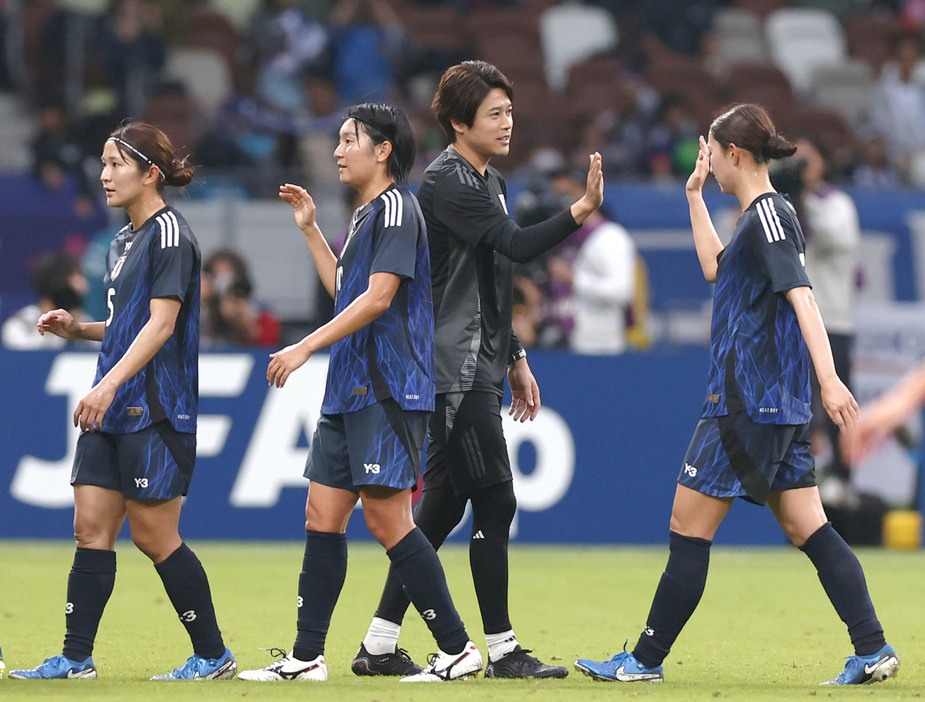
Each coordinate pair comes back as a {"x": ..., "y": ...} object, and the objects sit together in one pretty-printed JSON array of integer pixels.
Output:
[{"x": 597, "y": 466}]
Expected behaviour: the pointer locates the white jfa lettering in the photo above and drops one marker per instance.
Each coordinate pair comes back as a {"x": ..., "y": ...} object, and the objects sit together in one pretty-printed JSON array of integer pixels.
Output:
[
  {"x": 44, "y": 483},
  {"x": 373, "y": 468},
  {"x": 141, "y": 482},
  {"x": 188, "y": 616}
]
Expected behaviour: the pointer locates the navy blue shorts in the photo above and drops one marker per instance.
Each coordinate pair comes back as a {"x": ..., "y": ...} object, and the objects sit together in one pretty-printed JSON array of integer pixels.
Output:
[
  {"x": 377, "y": 445},
  {"x": 467, "y": 449},
  {"x": 155, "y": 463},
  {"x": 732, "y": 456}
]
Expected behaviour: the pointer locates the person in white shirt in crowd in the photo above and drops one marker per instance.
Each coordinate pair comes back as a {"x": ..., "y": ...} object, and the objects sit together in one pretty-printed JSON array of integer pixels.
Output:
[
  {"x": 833, "y": 237},
  {"x": 898, "y": 104},
  {"x": 58, "y": 281},
  {"x": 598, "y": 264}
]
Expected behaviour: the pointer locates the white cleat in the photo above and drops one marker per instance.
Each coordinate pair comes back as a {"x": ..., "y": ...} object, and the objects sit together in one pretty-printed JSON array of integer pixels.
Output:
[
  {"x": 444, "y": 666},
  {"x": 289, "y": 668}
]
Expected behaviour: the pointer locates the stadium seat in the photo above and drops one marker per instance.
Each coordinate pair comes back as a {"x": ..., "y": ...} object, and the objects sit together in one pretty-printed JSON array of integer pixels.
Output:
[
  {"x": 433, "y": 27},
  {"x": 844, "y": 88},
  {"x": 598, "y": 84},
  {"x": 762, "y": 83},
  {"x": 501, "y": 24},
  {"x": 517, "y": 56},
  {"x": 204, "y": 74},
  {"x": 570, "y": 33},
  {"x": 801, "y": 40},
  {"x": 172, "y": 111},
  {"x": 239, "y": 12},
  {"x": 18, "y": 129},
  {"x": 871, "y": 39},
  {"x": 739, "y": 37},
  {"x": 822, "y": 124},
  {"x": 841, "y": 9},
  {"x": 762, "y": 8},
  {"x": 689, "y": 79}
]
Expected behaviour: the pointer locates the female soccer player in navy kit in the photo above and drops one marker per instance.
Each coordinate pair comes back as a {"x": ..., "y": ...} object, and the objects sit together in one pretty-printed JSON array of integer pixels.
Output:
[
  {"x": 136, "y": 454},
  {"x": 378, "y": 398},
  {"x": 753, "y": 438},
  {"x": 473, "y": 245}
]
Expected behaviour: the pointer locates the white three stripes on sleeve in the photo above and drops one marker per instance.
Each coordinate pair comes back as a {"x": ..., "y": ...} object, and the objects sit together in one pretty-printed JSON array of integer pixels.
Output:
[
  {"x": 170, "y": 230},
  {"x": 770, "y": 221},
  {"x": 393, "y": 208}
]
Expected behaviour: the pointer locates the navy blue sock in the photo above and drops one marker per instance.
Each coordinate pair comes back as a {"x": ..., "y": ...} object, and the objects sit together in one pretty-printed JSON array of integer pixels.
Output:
[
  {"x": 437, "y": 513},
  {"x": 89, "y": 586},
  {"x": 324, "y": 569},
  {"x": 676, "y": 597},
  {"x": 419, "y": 569},
  {"x": 842, "y": 578},
  {"x": 188, "y": 590}
]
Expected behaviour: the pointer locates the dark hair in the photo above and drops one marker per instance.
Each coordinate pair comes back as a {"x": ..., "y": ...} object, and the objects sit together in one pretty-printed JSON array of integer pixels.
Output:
[
  {"x": 383, "y": 122},
  {"x": 148, "y": 146},
  {"x": 462, "y": 89},
  {"x": 51, "y": 279},
  {"x": 749, "y": 127}
]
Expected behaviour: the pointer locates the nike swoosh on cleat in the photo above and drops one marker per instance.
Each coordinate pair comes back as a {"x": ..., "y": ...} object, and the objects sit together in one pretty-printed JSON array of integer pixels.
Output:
[
  {"x": 641, "y": 677},
  {"x": 76, "y": 674}
]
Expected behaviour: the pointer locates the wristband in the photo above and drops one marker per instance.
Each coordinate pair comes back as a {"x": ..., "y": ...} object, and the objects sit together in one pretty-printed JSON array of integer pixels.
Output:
[{"x": 517, "y": 355}]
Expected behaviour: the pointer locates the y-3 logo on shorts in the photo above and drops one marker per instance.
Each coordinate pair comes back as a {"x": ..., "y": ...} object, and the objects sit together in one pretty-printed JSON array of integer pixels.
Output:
[
  {"x": 373, "y": 468},
  {"x": 690, "y": 470},
  {"x": 141, "y": 482}
]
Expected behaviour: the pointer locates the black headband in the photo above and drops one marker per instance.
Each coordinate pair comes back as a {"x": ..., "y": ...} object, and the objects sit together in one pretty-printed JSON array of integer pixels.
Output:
[{"x": 137, "y": 153}]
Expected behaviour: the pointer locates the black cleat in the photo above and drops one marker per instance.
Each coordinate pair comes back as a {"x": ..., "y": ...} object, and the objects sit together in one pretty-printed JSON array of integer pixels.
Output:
[
  {"x": 397, "y": 663},
  {"x": 519, "y": 664}
]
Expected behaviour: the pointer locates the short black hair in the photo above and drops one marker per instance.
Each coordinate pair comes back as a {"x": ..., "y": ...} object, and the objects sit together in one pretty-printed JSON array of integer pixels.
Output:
[
  {"x": 462, "y": 89},
  {"x": 384, "y": 122}
]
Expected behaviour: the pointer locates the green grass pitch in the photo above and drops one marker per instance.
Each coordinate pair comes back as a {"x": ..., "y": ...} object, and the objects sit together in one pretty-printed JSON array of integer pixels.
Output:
[{"x": 764, "y": 629}]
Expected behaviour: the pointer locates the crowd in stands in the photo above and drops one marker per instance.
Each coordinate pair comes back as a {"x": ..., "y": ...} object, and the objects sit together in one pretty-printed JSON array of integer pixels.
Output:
[{"x": 255, "y": 89}]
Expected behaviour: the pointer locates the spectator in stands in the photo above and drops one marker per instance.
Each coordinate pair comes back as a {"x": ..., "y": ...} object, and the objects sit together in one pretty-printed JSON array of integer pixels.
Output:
[
  {"x": 898, "y": 104},
  {"x": 132, "y": 52},
  {"x": 873, "y": 170},
  {"x": 59, "y": 283},
  {"x": 229, "y": 314},
  {"x": 591, "y": 278},
  {"x": 833, "y": 236},
  {"x": 678, "y": 24},
  {"x": 288, "y": 46},
  {"x": 57, "y": 153},
  {"x": 11, "y": 68},
  {"x": 672, "y": 140},
  {"x": 526, "y": 315},
  {"x": 369, "y": 42}
]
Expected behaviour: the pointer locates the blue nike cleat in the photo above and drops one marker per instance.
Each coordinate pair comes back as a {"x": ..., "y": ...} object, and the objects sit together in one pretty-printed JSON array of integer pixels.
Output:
[
  {"x": 863, "y": 670},
  {"x": 57, "y": 667},
  {"x": 623, "y": 667},
  {"x": 199, "y": 668}
]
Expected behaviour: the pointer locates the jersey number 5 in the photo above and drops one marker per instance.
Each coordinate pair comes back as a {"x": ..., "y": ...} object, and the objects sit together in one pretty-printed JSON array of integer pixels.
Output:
[{"x": 112, "y": 308}]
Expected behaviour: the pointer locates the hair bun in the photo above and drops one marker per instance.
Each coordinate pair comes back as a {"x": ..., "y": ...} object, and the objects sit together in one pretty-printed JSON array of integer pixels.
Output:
[{"x": 779, "y": 147}]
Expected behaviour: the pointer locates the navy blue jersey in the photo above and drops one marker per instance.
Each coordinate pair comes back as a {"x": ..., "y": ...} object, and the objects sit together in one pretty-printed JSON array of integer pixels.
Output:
[
  {"x": 159, "y": 259},
  {"x": 394, "y": 355},
  {"x": 759, "y": 361}
]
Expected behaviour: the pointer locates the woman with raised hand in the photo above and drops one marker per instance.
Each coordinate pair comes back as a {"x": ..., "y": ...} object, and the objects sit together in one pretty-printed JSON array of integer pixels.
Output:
[{"x": 752, "y": 440}]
